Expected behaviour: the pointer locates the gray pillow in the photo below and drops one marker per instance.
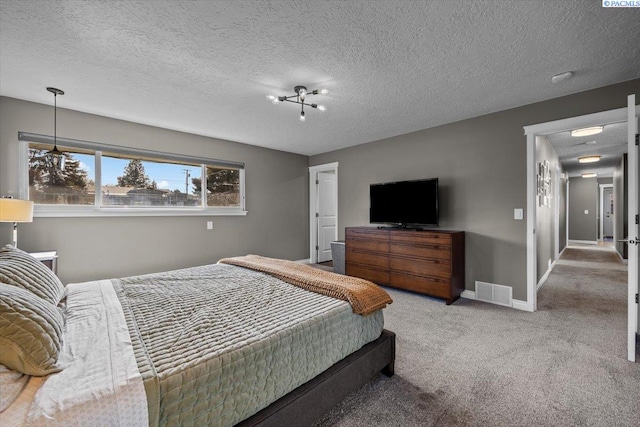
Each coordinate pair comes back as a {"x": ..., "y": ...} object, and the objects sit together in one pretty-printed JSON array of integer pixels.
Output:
[
  {"x": 20, "y": 269},
  {"x": 30, "y": 332}
]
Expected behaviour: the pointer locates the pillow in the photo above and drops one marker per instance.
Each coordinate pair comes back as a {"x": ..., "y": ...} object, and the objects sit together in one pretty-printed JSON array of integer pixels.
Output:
[
  {"x": 11, "y": 385},
  {"x": 20, "y": 269},
  {"x": 30, "y": 332}
]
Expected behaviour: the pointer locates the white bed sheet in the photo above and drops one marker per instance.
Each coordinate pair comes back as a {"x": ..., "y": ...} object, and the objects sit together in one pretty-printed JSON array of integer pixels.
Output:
[{"x": 100, "y": 383}]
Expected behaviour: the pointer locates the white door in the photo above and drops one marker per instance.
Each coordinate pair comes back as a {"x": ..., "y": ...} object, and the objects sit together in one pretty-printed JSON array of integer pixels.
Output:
[
  {"x": 632, "y": 238},
  {"x": 607, "y": 200},
  {"x": 327, "y": 213}
]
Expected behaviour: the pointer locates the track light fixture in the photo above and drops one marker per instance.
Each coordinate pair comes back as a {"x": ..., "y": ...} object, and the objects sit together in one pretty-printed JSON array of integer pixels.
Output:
[
  {"x": 299, "y": 98},
  {"x": 57, "y": 157}
]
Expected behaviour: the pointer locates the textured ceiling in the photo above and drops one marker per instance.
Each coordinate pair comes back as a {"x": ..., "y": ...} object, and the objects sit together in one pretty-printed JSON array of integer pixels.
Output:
[
  {"x": 392, "y": 67},
  {"x": 611, "y": 144}
]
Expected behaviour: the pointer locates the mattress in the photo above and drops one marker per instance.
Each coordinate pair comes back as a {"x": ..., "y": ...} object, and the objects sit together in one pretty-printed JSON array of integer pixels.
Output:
[
  {"x": 212, "y": 346},
  {"x": 217, "y": 343}
]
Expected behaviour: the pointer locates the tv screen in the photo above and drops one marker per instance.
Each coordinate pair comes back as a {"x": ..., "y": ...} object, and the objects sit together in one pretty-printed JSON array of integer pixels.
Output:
[{"x": 405, "y": 202}]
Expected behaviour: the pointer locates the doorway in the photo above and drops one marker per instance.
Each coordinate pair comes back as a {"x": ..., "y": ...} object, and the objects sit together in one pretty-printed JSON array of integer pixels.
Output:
[
  {"x": 606, "y": 214},
  {"x": 323, "y": 211},
  {"x": 623, "y": 115}
]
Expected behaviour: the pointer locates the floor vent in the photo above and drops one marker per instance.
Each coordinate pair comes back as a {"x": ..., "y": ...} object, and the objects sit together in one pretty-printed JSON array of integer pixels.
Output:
[{"x": 495, "y": 294}]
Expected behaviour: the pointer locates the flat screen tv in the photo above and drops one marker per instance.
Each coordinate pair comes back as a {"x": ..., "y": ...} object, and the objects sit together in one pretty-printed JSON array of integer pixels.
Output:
[{"x": 405, "y": 203}]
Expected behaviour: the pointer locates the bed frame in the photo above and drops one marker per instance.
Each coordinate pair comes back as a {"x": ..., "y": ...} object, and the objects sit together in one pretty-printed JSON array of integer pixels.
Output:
[{"x": 306, "y": 404}]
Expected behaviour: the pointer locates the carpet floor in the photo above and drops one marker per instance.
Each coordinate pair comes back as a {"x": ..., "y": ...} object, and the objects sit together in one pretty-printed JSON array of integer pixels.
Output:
[{"x": 479, "y": 364}]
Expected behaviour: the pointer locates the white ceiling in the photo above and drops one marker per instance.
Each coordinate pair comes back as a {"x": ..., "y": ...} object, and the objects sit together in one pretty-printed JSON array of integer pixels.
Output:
[
  {"x": 392, "y": 67},
  {"x": 611, "y": 144}
]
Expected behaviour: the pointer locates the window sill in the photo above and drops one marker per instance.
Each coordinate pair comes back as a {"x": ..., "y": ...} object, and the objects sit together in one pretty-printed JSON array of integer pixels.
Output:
[{"x": 44, "y": 211}]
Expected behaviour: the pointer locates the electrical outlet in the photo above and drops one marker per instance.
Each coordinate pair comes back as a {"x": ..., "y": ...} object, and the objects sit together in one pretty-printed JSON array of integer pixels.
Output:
[
  {"x": 518, "y": 214},
  {"x": 586, "y": 211},
  {"x": 209, "y": 225}
]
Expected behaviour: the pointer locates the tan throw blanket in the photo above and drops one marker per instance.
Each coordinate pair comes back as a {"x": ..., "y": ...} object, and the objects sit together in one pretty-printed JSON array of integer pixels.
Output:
[{"x": 364, "y": 296}]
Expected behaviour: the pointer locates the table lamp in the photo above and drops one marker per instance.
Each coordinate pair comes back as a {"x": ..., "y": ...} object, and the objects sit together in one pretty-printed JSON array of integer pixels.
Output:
[{"x": 15, "y": 210}]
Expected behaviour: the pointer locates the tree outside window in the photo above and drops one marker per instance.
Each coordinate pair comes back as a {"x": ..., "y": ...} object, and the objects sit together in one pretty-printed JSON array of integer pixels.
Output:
[
  {"x": 49, "y": 185},
  {"x": 223, "y": 186}
]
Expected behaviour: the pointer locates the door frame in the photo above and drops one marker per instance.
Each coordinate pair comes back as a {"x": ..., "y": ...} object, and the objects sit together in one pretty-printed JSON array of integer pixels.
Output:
[
  {"x": 601, "y": 207},
  {"x": 313, "y": 204},
  {"x": 602, "y": 118},
  {"x": 633, "y": 182},
  {"x": 556, "y": 208}
]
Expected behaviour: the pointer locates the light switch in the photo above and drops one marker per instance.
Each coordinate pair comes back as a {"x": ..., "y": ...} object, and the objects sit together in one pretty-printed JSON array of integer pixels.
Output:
[
  {"x": 518, "y": 213},
  {"x": 586, "y": 211},
  {"x": 209, "y": 225}
]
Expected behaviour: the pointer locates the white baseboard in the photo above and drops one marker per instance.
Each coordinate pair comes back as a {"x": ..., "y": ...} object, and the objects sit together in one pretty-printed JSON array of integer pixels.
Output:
[
  {"x": 583, "y": 242},
  {"x": 303, "y": 261},
  {"x": 468, "y": 294},
  {"x": 517, "y": 304},
  {"x": 545, "y": 276},
  {"x": 622, "y": 260},
  {"x": 522, "y": 305}
]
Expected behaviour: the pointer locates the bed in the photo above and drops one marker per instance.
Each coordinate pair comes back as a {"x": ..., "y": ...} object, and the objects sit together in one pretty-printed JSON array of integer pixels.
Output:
[{"x": 225, "y": 344}]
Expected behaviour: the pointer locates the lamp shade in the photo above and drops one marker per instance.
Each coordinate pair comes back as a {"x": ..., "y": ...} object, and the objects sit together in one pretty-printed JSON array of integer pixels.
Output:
[{"x": 16, "y": 210}]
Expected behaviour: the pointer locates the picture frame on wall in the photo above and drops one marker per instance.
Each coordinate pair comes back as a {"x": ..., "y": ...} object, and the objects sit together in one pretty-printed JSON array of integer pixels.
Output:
[{"x": 544, "y": 184}]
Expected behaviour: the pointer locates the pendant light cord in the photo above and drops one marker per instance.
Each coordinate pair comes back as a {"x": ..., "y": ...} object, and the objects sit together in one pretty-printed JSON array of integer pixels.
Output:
[{"x": 55, "y": 121}]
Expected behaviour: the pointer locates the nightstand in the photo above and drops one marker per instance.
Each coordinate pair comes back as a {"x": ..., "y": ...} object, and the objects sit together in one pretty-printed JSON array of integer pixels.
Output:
[{"x": 48, "y": 258}]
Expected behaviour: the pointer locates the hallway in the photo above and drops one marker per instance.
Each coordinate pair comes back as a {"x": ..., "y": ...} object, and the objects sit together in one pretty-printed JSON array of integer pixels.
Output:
[{"x": 588, "y": 287}]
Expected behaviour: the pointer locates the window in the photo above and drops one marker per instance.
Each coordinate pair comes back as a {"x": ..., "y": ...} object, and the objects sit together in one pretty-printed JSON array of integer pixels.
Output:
[
  {"x": 223, "y": 186},
  {"x": 50, "y": 186},
  {"x": 136, "y": 182},
  {"x": 100, "y": 179}
]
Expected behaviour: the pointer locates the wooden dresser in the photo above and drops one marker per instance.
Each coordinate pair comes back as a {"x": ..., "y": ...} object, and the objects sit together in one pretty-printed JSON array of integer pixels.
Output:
[{"x": 430, "y": 262}]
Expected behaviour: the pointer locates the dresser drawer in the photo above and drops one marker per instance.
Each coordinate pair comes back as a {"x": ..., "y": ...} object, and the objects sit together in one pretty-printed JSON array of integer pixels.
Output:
[
  {"x": 441, "y": 269},
  {"x": 367, "y": 258},
  {"x": 424, "y": 285},
  {"x": 421, "y": 237},
  {"x": 367, "y": 234},
  {"x": 373, "y": 274},
  {"x": 370, "y": 245},
  {"x": 438, "y": 252}
]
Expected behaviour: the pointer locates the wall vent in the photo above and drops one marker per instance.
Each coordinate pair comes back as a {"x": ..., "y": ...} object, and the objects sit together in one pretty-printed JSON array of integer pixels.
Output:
[{"x": 495, "y": 294}]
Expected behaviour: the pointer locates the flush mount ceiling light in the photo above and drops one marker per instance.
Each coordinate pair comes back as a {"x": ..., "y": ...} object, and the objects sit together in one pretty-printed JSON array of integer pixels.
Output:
[
  {"x": 589, "y": 159},
  {"x": 57, "y": 157},
  {"x": 587, "y": 131},
  {"x": 300, "y": 96},
  {"x": 589, "y": 175}
]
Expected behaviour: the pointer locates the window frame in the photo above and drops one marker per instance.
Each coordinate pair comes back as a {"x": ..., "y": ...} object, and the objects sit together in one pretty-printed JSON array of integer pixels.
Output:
[{"x": 96, "y": 210}]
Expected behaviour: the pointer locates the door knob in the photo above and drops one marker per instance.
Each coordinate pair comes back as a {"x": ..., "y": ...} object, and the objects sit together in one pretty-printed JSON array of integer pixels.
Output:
[{"x": 630, "y": 241}]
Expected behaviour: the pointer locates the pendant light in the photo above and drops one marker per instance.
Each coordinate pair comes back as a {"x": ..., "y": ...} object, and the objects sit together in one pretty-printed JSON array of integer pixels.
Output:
[{"x": 57, "y": 156}]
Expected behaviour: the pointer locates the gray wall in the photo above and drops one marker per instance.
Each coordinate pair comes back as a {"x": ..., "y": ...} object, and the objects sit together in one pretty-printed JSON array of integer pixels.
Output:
[
  {"x": 583, "y": 196},
  {"x": 481, "y": 163},
  {"x": 546, "y": 215},
  {"x": 620, "y": 214},
  {"x": 91, "y": 248}
]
